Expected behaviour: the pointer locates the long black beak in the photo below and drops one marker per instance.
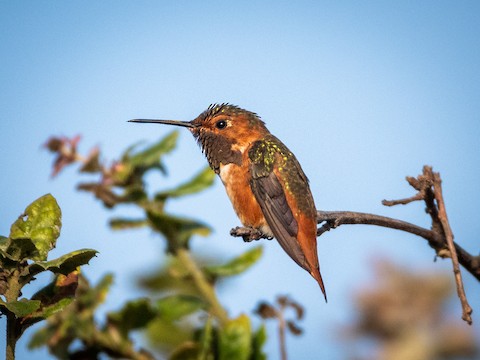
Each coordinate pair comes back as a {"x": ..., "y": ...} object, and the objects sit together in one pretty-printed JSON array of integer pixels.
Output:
[{"x": 187, "y": 124}]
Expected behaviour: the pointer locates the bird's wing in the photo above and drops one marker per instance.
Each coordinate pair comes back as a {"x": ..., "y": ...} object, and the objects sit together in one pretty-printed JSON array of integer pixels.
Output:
[{"x": 271, "y": 197}]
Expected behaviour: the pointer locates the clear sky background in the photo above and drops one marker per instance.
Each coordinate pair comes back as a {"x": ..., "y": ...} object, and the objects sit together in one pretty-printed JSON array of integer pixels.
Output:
[{"x": 363, "y": 93}]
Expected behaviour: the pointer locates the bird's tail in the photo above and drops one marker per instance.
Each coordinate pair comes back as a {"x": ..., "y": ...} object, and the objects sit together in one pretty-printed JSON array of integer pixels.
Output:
[{"x": 317, "y": 276}]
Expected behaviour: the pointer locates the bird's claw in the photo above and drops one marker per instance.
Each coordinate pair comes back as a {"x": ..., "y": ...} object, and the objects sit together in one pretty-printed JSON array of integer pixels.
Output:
[{"x": 249, "y": 234}]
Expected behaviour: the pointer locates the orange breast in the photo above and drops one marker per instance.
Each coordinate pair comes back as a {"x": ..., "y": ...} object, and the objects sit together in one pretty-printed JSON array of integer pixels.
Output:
[{"x": 237, "y": 184}]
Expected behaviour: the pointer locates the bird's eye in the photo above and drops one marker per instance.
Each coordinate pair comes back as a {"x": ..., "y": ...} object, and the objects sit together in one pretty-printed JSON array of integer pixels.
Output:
[{"x": 221, "y": 124}]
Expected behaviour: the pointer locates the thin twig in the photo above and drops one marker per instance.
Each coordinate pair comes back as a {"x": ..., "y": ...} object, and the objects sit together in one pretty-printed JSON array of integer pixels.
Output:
[
  {"x": 418, "y": 196},
  {"x": 442, "y": 216},
  {"x": 281, "y": 335}
]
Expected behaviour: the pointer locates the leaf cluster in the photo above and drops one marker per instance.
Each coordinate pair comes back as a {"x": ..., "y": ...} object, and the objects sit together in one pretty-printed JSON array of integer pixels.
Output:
[
  {"x": 77, "y": 323},
  {"x": 23, "y": 255},
  {"x": 188, "y": 325},
  {"x": 123, "y": 182}
]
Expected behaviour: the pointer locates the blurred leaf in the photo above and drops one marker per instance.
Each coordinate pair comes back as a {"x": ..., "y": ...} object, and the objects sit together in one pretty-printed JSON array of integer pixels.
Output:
[
  {"x": 170, "y": 278},
  {"x": 156, "y": 206},
  {"x": 151, "y": 155},
  {"x": 175, "y": 307},
  {"x": 266, "y": 311},
  {"x": 188, "y": 350},
  {"x": 201, "y": 181},
  {"x": 92, "y": 163},
  {"x": 177, "y": 231},
  {"x": 90, "y": 297},
  {"x": 64, "y": 264},
  {"x": 238, "y": 264},
  {"x": 166, "y": 335},
  {"x": 22, "y": 307},
  {"x": 120, "y": 173},
  {"x": 134, "y": 315},
  {"x": 134, "y": 193},
  {"x": 235, "y": 339},
  {"x": 65, "y": 149},
  {"x": 206, "y": 341},
  {"x": 294, "y": 328},
  {"x": 101, "y": 192},
  {"x": 258, "y": 341},
  {"x": 54, "y": 144},
  {"x": 98, "y": 294},
  {"x": 286, "y": 302},
  {"x": 40, "y": 224},
  {"x": 40, "y": 338},
  {"x": 122, "y": 223}
]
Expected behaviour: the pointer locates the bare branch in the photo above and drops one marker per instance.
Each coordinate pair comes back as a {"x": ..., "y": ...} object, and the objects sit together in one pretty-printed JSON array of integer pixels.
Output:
[{"x": 333, "y": 219}]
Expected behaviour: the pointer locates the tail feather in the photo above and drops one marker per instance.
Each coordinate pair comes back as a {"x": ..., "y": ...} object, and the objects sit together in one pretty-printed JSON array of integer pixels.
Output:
[{"x": 317, "y": 276}]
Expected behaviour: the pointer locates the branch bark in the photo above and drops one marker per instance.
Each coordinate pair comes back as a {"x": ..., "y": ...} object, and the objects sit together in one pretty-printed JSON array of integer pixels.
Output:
[{"x": 333, "y": 219}]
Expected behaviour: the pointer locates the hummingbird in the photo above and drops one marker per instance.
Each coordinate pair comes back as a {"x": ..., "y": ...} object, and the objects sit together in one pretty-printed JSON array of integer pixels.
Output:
[{"x": 263, "y": 179}]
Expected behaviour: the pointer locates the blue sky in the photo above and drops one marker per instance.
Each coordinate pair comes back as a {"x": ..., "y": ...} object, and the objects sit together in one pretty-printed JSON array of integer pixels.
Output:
[{"x": 363, "y": 93}]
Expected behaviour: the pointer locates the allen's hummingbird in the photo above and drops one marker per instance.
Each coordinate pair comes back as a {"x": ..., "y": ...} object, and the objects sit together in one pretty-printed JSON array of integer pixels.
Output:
[{"x": 264, "y": 181}]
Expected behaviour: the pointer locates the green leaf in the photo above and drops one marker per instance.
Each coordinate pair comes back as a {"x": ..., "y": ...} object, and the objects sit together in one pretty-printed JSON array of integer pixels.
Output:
[
  {"x": 46, "y": 311},
  {"x": 134, "y": 315},
  {"x": 177, "y": 231},
  {"x": 4, "y": 243},
  {"x": 122, "y": 223},
  {"x": 35, "y": 233},
  {"x": 7, "y": 260},
  {"x": 177, "y": 306},
  {"x": 21, "y": 249},
  {"x": 64, "y": 264},
  {"x": 151, "y": 155},
  {"x": 22, "y": 307},
  {"x": 258, "y": 341},
  {"x": 237, "y": 265},
  {"x": 199, "y": 182},
  {"x": 234, "y": 341}
]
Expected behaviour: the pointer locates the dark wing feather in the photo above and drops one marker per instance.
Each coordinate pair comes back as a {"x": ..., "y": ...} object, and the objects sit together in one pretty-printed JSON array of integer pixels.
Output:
[{"x": 270, "y": 196}]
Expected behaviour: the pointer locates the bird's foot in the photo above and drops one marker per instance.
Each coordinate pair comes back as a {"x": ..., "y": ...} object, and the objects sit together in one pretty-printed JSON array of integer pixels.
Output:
[{"x": 249, "y": 234}]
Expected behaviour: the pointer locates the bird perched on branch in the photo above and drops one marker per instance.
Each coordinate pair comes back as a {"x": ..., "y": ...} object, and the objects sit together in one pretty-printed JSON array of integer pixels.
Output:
[{"x": 264, "y": 181}]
